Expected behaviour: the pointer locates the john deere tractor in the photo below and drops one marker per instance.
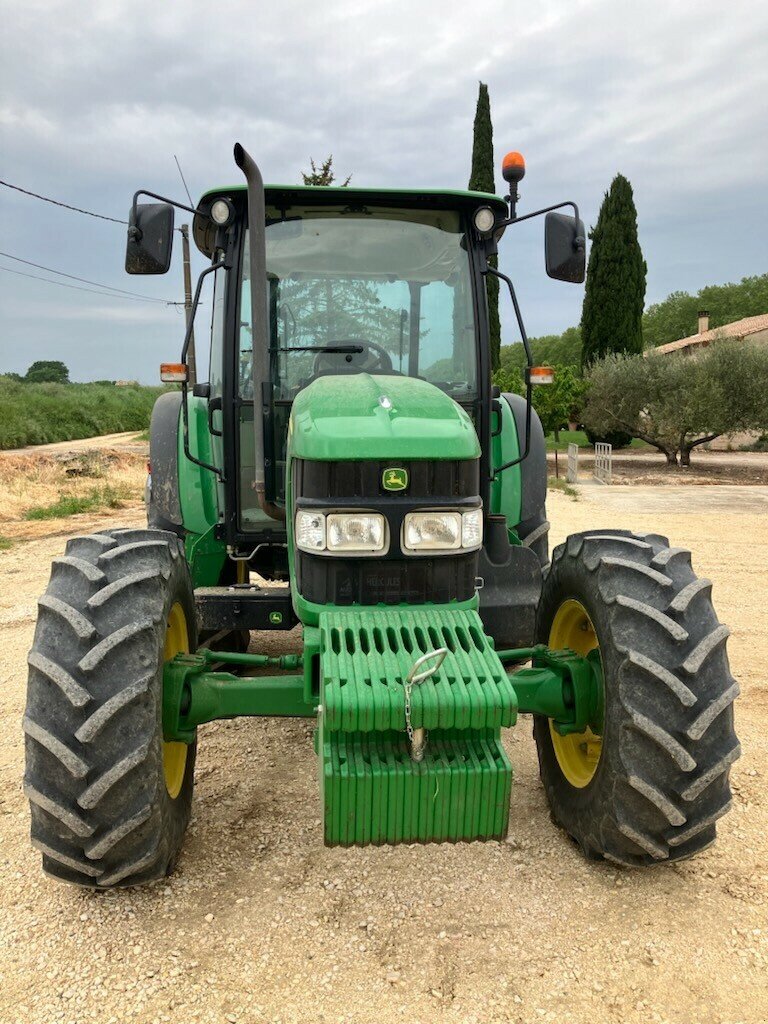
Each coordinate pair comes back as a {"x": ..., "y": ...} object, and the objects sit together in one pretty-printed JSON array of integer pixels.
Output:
[{"x": 349, "y": 469}]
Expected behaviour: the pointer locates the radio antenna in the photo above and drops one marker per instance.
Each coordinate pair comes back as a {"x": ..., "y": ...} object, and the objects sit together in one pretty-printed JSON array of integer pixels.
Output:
[{"x": 183, "y": 179}]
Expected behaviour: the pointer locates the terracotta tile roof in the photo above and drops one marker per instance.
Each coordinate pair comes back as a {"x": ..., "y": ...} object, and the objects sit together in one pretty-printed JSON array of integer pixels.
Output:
[{"x": 738, "y": 329}]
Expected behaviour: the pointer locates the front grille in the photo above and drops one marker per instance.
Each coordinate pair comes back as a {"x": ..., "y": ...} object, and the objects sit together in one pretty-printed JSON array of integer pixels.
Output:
[
  {"x": 393, "y": 578},
  {"x": 345, "y": 581},
  {"x": 427, "y": 480}
]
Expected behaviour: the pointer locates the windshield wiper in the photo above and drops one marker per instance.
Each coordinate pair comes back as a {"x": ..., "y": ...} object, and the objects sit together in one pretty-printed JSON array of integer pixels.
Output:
[{"x": 352, "y": 349}]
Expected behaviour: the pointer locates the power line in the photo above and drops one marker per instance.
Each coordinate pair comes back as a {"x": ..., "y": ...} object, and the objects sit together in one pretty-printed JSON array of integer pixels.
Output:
[
  {"x": 84, "y": 280},
  {"x": 77, "y": 288},
  {"x": 66, "y": 206}
]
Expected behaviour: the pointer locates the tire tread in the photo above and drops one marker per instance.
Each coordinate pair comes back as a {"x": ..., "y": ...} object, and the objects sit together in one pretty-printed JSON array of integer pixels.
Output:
[{"x": 669, "y": 737}]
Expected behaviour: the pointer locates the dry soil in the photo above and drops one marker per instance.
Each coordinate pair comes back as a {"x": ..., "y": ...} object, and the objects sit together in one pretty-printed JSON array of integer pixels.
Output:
[{"x": 262, "y": 923}]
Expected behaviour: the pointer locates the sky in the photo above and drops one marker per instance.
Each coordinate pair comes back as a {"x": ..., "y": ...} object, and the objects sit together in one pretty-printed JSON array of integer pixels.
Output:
[{"x": 97, "y": 98}]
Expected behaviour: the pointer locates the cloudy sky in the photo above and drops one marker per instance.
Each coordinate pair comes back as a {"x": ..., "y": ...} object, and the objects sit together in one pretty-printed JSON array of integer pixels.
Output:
[{"x": 96, "y": 98}]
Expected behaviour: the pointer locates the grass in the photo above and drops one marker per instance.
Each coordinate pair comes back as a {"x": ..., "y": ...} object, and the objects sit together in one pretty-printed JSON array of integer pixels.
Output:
[
  {"x": 5, "y": 543},
  {"x": 44, "y": 413},
  {"x": 580, "y": 438},
  {"x": 567, "y": 437},
  {"x": 557, "y": 484},
  {"x": 35, "y": 479},
  {"x": 74, "y": 504}
]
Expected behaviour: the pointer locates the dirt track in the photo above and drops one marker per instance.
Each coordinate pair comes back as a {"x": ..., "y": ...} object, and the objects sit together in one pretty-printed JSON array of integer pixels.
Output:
[
  {"x": 262, "y": 923},
  {"x": 128, "y": 438}
]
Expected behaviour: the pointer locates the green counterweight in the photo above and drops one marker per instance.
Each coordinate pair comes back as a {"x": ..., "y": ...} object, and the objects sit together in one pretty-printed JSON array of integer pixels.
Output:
[{"x": 373, "y": 788}]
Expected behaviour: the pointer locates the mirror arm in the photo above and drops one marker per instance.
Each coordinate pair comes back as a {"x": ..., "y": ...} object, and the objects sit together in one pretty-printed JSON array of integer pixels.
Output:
[
  {"x": 185, "y": 348},
  {"x": 538, "y": 213},
  {"x": 171, "y": 202},
  {"x": 529, "y": 364},
  {"x": 579, "y": 242}
]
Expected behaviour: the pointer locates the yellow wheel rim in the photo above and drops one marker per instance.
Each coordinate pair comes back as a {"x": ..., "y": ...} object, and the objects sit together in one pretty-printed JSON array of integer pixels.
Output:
[
  {"x": 578, "y": 754},
  {"x": 175, "y": 754}
]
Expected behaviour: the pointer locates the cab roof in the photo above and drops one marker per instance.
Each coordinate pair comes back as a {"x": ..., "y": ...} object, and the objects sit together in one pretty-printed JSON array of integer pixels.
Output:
[
  {"x": 329, "y": 193},
  {"x": 287, "y": 195}
]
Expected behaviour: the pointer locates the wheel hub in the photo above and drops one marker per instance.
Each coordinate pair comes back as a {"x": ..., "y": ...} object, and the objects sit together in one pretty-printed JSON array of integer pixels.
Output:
[{"x": 578, "y": 754}]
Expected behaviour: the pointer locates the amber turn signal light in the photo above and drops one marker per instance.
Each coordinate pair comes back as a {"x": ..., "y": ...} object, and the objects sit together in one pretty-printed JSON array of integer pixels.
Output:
[
  {"x": 541, "y": 375},
  {"x": 173, "y": 373}
]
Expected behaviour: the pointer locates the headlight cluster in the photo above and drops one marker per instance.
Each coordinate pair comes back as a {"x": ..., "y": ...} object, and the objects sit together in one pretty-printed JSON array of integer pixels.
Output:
[
  {"x": 443, "y": 531},
  {"x": 357, "y": 532},
  {"x": 366, "y": 532}
]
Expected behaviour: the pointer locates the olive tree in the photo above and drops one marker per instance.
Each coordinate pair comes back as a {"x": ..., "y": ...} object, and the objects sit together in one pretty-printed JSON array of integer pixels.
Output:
[
  {"x": 677, "y": 402},
  {"x": 729, "y": 395}
]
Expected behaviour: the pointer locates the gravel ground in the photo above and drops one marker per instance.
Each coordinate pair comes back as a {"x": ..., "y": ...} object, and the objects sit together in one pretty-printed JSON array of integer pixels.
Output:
[{"x": 262, "y": 923}]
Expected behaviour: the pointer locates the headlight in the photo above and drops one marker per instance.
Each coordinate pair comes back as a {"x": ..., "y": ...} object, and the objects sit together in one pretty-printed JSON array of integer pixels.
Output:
[
  {"x": 310, "y": 531},
  {"x": 484, "y": 220},
  {"x": 472, "y": 528},
  {"x": 443, "y": 531},
  {"x": 432, "y": 531},
  {"x": 356, "y": 532},
  {"x": 341, "y": 532}
]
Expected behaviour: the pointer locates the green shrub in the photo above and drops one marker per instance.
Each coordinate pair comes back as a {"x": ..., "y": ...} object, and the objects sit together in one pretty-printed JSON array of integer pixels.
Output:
[
  {"x": 73, "y": 504},
  {"x": 43, "y": 413}
]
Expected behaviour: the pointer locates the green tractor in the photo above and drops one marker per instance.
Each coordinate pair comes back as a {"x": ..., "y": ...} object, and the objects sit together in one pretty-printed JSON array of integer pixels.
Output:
[{"x": 348, "y": 467}]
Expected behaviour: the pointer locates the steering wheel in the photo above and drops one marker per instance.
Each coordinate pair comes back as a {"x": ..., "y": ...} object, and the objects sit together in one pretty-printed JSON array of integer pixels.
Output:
[{"x": 373, "y": 358}]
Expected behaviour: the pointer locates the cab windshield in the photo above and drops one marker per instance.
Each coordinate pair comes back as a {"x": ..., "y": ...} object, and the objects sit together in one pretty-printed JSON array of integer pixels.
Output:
[{"x": 365, "y": 289}]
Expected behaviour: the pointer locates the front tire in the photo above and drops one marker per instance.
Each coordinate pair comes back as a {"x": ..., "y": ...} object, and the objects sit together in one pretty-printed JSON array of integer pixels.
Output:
[
  {"x": 109, "y": 799},
  {"x": 651, "y": 787}
]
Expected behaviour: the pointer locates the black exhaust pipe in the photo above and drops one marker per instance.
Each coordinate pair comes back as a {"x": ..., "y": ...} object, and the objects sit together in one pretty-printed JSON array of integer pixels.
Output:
[{"x": 259, "y": 318}]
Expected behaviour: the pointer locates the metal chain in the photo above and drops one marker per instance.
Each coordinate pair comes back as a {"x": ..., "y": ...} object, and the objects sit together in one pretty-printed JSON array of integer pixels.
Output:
[
  {"x": 407, "y": 688},
  {"x": 414, "y": 677}
]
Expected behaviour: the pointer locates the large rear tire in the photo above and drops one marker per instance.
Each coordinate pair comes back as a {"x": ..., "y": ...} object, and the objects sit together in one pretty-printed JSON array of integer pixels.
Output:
[
  {"x": 109, "y": 799},
  {"x": 651, "y": 787}
]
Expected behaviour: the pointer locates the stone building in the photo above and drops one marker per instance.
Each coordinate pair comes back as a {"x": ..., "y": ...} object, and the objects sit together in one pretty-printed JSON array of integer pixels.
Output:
[{"x": 753, "y": 329}]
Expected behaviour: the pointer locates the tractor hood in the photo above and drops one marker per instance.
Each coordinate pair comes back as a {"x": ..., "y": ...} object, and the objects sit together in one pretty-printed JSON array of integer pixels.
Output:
[{"x": 360, "y": 416}]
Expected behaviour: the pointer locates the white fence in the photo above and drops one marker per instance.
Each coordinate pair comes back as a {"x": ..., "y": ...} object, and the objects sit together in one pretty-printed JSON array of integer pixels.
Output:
[
  {"x": 572, "y": 473},
  {"x": 603, "y": 458}
]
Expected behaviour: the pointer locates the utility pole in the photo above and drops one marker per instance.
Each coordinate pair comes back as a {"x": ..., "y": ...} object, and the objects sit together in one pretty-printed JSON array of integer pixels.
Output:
[{"x": 191, "y": 360}]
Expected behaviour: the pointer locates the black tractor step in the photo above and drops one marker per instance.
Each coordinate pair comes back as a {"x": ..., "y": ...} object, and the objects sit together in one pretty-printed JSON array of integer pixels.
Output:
[{"x": 244, "y": 606}]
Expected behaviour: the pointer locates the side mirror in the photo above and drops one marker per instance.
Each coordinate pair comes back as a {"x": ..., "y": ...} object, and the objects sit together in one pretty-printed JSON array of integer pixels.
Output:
[
  {"x": 150, "y": 238},
  {"x": 565, "y": 248}
]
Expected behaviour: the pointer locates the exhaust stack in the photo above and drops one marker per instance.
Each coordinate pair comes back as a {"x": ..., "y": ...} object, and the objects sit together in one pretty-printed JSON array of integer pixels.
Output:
[{"x": 259, "y": 321}]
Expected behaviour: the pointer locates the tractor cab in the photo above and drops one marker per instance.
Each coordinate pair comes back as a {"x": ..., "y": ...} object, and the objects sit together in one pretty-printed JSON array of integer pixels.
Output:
[
  {"x": 358, "y": 282},
  {"x": 350, "y": 341}
]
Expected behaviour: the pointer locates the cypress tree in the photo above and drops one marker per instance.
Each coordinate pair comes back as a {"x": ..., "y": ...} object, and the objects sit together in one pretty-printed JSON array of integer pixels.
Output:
[
  {"x": 482, "y": 180},
  {"x": 612, "y": 314},
  {"x": 323, "y": 174}
]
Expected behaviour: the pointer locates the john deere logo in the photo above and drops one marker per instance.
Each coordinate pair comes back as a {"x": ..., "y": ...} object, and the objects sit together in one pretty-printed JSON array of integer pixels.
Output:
[{"x": 394, "y": 479}]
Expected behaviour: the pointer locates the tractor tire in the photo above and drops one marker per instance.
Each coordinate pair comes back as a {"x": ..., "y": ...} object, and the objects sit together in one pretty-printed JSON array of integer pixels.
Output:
[
  {"x": 652, "y": 787},
  {"x": 534, "y": 533},
  {"x": 109, "y": 800}
]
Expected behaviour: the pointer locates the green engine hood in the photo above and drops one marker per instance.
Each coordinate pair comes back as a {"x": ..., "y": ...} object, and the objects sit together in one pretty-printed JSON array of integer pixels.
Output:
[{"x": 360, "y": 416}]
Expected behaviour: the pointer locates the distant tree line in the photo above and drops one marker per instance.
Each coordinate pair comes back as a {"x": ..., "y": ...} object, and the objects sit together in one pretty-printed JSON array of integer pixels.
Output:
[
  {"x": 676, "y": 316},
  {"x": 673, "y": 318},
  {"x": 44, "y": 371}
]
